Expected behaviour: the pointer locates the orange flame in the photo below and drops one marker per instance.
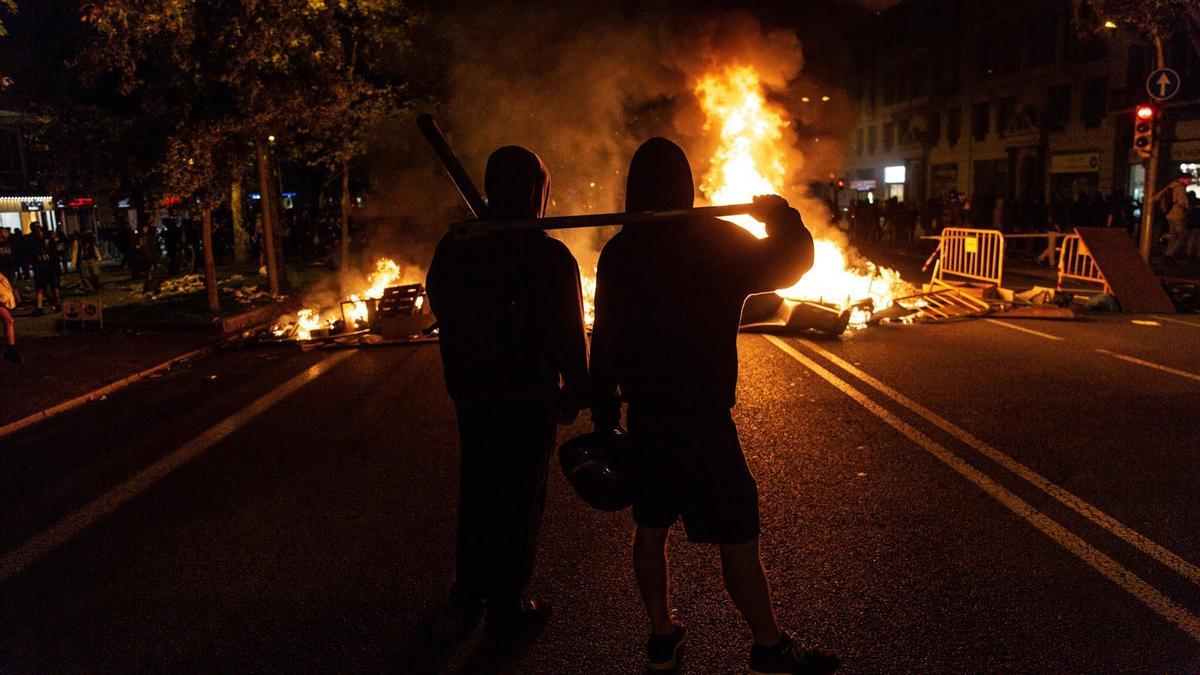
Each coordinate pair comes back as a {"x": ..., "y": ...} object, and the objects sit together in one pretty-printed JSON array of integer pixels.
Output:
[
  {"x": 387, "y": 273},
  {"x": 748, "y": 162}
]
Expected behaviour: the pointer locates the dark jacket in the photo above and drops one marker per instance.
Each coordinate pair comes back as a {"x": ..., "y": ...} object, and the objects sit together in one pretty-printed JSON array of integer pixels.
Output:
[
  {"x": 669, "y": 296},
  {"x": 509, "y": 307}
]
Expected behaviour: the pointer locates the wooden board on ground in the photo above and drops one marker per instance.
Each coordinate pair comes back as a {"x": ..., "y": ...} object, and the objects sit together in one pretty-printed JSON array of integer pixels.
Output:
[{"x": 1132, "y": 282}]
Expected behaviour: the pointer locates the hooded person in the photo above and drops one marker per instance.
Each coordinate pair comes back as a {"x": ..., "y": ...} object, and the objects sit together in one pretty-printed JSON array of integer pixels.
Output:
[
  {"x": 510, "y": 313},
  {"x": 669, "y": 299}
]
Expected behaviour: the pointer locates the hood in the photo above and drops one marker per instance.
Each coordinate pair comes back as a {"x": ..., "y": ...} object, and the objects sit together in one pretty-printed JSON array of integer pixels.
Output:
[
  {"x": 517, "y": 184},
  {"x": 659, "y": 178}
]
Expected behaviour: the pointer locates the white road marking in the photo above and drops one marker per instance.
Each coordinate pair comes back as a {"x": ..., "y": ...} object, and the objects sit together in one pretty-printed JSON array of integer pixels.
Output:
[
  {"x": 1023, "y": 329},
  {"x": 1150, "y": 364},
  {"x": 1066, "y": 498},
  {"x": 15, "y": 561},
  {"x": 1178, "y": 321},
  {"x": 1102, "y": 563}
]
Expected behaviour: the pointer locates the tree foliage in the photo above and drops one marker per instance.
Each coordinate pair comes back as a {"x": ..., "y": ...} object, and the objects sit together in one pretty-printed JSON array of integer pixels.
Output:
[
  {"x": 220, "y": 76},
  {"x": 6, "y": 7},
  {"x": 1161, "y": 19}
]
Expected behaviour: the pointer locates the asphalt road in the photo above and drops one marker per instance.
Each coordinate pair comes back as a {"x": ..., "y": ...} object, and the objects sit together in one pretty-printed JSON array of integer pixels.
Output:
[{"x": 966, "y": 497}]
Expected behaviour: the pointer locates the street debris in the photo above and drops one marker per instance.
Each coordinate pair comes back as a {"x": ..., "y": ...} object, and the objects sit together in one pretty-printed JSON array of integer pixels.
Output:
[{"x": 233, "y": 287}]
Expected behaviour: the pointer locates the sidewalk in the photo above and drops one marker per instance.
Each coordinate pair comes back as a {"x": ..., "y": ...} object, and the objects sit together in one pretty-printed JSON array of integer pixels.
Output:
[{"x": 140, "y": 332}]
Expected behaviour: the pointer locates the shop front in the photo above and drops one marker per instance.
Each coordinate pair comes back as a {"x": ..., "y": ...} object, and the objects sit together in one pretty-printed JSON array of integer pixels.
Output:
[
  {"x": 1072, "y": 174},
  {"x": 20, "y": 211}
]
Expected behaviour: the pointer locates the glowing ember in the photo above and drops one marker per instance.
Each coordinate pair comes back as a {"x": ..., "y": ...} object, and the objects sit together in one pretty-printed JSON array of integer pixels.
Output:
[{"x": 748, "y": 162}]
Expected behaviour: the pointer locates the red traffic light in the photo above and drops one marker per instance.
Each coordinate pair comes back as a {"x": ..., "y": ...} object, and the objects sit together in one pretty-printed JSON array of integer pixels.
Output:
[{"x": 1145, "y": 112}]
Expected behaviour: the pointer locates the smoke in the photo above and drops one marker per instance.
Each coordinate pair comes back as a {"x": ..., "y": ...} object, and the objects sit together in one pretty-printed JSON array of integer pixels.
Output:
[{"x": 583, "y": 86}]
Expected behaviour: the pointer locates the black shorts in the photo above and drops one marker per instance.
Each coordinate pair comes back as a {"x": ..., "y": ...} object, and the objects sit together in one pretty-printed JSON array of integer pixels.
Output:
[
  {"x": 45, "y": 276},
  {"x": 689, "y": 466}
]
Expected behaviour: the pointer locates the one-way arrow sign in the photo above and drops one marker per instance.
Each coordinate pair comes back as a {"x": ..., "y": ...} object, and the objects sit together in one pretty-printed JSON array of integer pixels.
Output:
[{"x": 1162, "y": 84}]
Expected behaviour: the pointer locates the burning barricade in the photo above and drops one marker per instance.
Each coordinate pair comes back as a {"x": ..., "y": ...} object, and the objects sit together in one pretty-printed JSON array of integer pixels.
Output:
[{"x": 390, "y": 306}]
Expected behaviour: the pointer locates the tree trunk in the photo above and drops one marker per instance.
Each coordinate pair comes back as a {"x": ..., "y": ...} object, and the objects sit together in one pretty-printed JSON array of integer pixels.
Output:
[
  {"x": 210, "y": 262},
  {"x": 345, "y": 202},
  {"x": 241, "y": 238},
  {"x": 268, "y": 215}
]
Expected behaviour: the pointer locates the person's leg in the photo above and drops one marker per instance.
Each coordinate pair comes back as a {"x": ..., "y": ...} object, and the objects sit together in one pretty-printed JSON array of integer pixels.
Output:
[
  {"x": 474, "y": 533},
  {"x": 650, "y": 568},
  {"x": 1176, "y": 236},
  {"x": 10, "y": 334},
  {"x": 747, "y": 584},
  {"x": 524, "y": 443}
]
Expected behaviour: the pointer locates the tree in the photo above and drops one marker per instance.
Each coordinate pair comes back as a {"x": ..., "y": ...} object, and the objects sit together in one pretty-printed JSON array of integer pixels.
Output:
[
  {"x": 230, "y": 77},
  {"x": 6, "y": 7},
  {"x": 1157, "y": 20},
  {"x": 366, "y": 74}
]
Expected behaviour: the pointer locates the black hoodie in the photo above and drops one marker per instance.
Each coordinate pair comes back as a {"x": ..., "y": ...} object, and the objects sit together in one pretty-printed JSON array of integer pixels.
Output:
[
  {"x": 669, "y": 296},
  {"x": 509, "y": 306}
]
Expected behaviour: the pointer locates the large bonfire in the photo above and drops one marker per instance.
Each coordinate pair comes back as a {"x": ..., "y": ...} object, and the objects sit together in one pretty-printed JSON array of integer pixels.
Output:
[{"x": 748, "y": 162}]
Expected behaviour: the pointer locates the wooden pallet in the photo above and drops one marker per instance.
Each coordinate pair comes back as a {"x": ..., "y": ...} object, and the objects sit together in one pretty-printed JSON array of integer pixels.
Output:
[{"x": 942, "y": 302}]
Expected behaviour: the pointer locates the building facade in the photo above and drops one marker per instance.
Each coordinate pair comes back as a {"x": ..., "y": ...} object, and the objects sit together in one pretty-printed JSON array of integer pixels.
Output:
[{"x": 1008, "y": 100}]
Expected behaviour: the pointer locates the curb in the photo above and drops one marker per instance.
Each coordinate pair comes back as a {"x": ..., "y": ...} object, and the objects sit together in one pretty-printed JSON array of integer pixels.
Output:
[{"x": 107, "y": 389}]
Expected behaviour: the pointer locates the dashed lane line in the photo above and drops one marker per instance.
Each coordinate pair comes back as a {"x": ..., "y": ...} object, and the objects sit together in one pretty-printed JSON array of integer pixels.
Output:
[
  {"x": 1150, "y": 364},
  {"x": 1030, "y": 331},
  {"x": 1072, "y": 501},
  {"x": 1132, "y": 584},
  {"x": 41, "y": 544}
]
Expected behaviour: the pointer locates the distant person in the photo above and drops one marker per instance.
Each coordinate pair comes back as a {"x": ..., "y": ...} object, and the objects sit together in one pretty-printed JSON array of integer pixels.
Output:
[
  {"x": 8, "y": 262},
  {"x": 8, "y": 300},
  {"x": 1192, "y": 249},
  {"x": 86, "y": 256},
  {"x": 1174, "y": 198},
  {"x": 22, "y": 256},
  {"x": 668, "y": 302},
  {"x": 61, "y": 247},
  {"x": 1049, "y": 255},
  {"x": 172, "y": 241},
  {"x": 46, "y": 279},
  {"x": 150, "y": 257},
  {"x": 511, "y": 319}
]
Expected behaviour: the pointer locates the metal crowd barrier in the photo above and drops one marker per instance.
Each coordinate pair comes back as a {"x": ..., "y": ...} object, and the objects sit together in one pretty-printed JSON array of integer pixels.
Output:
[
  {"x": 970, "y": 254},
  {"x": 1075, "y": 262}
]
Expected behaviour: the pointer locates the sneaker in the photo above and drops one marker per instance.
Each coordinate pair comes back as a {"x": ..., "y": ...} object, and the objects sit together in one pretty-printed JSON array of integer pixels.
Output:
[
  {"x": 786, "y": 657},
  {"x": 529, "y": 616},
  {"x": 663, "y": 652}
]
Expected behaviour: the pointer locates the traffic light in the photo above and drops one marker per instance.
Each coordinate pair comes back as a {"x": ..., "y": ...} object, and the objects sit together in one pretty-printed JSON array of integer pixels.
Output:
[{"x": 1143, "y": 131}]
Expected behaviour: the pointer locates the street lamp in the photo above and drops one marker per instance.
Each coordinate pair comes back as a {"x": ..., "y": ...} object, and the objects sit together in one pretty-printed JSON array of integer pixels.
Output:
[{"x": 1109, "y": 24}]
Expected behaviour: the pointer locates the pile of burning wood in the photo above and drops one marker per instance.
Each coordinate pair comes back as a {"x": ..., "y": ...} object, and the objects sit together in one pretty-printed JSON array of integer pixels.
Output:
[
  {"x": 400, "y": 314},
  {"x": 384, "y": 309}
]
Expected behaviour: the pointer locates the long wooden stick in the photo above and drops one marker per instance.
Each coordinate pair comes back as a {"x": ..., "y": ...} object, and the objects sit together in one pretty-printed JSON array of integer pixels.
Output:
[
  {"x": 458, "y": 174},
  {"x": 481, "y": 228}
]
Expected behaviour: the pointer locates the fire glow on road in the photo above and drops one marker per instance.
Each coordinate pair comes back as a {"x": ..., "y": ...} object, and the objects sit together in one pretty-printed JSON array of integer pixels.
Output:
[
  {"x": 1132, "y": 584},
  {"x": 36, "y": 547}
]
